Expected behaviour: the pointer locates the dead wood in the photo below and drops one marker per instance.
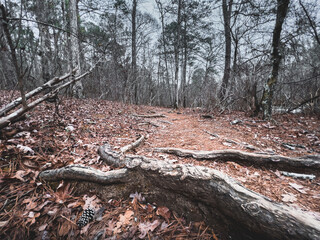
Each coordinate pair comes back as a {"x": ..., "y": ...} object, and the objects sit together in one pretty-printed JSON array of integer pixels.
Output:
[
  {"x": 212, "y": 134},
  {"x": 6, "y": 120},
  {"x": 307, "y": 162},
  {"x": 53, "y": 82},
  {"x": 149, "y": 116},
  {"x": 199, "y": 193},
  {"x": 132, "y": 145}
]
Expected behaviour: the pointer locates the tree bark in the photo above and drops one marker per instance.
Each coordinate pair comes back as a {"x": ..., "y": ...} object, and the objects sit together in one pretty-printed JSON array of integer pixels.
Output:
[
  {"x": 177, "y": 52},
  {"x": 42, "y": 15},
  {"x": 227, "y": 9},
  {"x": 164, "y": 45},
  {"x": 75, "y": 47},
  {"x": 196, "y": 193},
  {"x": 134, "y": 49},
  {"x": 268, "y": 91},
  {"x": 18, "y": 71}
]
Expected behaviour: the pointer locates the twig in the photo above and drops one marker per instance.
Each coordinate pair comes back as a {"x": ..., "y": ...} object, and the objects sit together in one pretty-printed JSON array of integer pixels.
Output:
[{"x": 68, "y": 220}]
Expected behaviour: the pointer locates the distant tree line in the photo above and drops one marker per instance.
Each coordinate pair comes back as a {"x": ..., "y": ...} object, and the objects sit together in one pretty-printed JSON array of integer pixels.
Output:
[{"x": 250, "y": 55}]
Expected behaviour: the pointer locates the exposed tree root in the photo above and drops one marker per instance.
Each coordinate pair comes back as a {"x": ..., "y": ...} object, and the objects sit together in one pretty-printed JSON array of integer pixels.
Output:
[
  {"x": 132, "y": 145},
  {"x": 281, "y": 162},
  {"x": 150, "y": 116},
  {"x": 196, "y": 193}
]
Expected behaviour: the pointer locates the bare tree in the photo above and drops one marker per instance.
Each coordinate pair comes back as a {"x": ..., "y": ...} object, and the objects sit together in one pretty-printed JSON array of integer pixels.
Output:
[
  {"x": 266, "y": 101},
  {"x": 227, "y": 9},
  {"x": 75, "y": 48}
]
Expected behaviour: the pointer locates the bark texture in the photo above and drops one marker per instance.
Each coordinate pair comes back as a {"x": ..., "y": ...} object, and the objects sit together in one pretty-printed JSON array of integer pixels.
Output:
[
  {"x": 75, "y": 47},
  {"x": 281, "y": 162},
  {"x": 226, "y": 9},
  {"x": 199, "y": 193},
  {"x": 266, "y": 101}
]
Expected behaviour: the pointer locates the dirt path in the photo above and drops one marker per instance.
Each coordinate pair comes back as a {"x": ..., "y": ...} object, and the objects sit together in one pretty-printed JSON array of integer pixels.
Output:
[{"x": 189, "y": 130}]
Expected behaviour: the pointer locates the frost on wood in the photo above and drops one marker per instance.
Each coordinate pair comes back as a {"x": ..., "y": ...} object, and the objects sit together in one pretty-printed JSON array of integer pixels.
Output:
[
  {"x": 311, "y": 162},
  {"x": 198, "y": 193}
]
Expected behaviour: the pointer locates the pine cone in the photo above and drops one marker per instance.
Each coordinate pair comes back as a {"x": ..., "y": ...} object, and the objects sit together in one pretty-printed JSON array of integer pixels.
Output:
[{"x": 86, "y": 217}]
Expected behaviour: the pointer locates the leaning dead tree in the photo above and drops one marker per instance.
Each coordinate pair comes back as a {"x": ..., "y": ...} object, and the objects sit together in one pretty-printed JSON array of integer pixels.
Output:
[
  {"x": 194, "y": 192},
  {"x": 56, "y": 84}
]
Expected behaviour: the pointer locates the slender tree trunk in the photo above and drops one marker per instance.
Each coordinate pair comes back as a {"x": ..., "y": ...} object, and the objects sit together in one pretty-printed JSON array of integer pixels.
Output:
[
  {"x": 14, "y": 59},
  {"x": 75, "y": 48},
  {"x": 266, "y": 101},
  {"x": 176, "y": 53},
  {"x": 45, "y": 44},
  {"x": 184, "y": 70},
  {"x": 226, "y": 9},
  {"x": 164, "y": 45},
  {"x": 134, "y": 50}
]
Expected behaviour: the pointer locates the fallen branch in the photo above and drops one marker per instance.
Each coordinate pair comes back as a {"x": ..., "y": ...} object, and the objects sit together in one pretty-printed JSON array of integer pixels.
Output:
[
  {"x": 4, "y": 110},
  {"x": 199, "y": 193},
  {"x": 303, "y": 103},
  {"x": 5, "y": 121},
  {"x": 240, "y": 156},
  {"x": 132, "y": 145},
  {"x": 149, "y": 116}
]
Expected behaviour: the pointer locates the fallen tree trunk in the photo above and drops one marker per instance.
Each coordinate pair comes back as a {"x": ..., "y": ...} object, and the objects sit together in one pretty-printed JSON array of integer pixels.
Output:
[
  {"x": 7, "y": 108},
  {"x": 198, "y": 193},
  {"x": 307, "y": 162}
]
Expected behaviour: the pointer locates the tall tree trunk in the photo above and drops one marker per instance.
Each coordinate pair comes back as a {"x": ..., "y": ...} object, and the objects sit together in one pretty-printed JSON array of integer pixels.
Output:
[
  {"x": 134, "y": 49},
  {"x": 164, "y": 45},
  {"x": 19, "y": 72},
  {"x": 184, "y": 70},
  {"x": 45, "y": 44},
  {"x": 226, "y": 9},
  {"x": 176, "y": 53},
  {"x": 266, "y": 101},
  {"x": 75, "y": 49}
]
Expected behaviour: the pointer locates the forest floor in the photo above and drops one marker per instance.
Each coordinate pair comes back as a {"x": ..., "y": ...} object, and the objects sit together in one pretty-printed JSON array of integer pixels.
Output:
[{"x": 30, "y": 209}]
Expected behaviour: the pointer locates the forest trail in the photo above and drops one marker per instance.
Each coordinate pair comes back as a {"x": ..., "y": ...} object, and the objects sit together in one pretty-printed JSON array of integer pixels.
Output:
[
  {"x": 187, "y": 129},
  {"x": 45, "y": 141}
]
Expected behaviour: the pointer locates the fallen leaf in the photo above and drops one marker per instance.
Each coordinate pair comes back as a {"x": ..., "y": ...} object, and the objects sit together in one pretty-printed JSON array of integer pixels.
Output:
[
  {"x": 42, "y": 227},
  {"x": 145, "y": 227},
  {"x": 31, "y": 203},
  {"x": 126, "y": 218},
  {"x": 3, "y": 223},
  {"x": 20, "y": 174},
  {"x": 164, "y": 212},
  {"x": 25, "y": 149},
  {"x": 64, "y": 229}
]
